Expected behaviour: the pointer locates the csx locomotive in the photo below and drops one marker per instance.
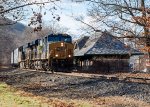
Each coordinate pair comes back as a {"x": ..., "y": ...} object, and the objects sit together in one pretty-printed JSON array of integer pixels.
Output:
[{"x": 53, "y": 52}]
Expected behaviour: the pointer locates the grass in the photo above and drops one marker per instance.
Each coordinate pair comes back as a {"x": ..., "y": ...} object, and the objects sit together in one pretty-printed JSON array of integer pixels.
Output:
[{"x": 10, "y": 97}]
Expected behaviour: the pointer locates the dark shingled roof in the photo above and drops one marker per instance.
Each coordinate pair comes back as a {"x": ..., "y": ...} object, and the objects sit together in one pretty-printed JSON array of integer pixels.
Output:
[
  {"x": 106, "y": 44},
  {"x": 81, "y": 42}
]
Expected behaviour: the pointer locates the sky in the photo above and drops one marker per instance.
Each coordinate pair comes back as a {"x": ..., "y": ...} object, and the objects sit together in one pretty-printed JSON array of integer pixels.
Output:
[{"x": 67, "y": 10}]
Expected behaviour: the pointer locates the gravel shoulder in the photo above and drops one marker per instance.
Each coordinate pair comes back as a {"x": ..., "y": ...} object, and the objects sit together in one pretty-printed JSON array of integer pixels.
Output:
[{"x": 72, "y": 87}]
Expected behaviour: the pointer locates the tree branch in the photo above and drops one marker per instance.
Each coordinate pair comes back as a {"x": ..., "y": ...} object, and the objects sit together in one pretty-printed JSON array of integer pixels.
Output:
[
  {"x": 96, "y": 30},
  {"x": 28, "y": 4}
]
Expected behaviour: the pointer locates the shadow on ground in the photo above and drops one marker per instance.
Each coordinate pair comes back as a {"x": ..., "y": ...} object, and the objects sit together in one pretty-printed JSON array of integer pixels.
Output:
[{"x": 71, "y": 87}]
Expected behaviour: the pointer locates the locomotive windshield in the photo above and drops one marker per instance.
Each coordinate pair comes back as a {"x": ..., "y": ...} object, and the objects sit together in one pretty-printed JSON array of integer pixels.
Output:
[
  {"x": 66, "y": 39},
  {"x": 53, "y": 38},
  {"x": 56, "y": 38}
]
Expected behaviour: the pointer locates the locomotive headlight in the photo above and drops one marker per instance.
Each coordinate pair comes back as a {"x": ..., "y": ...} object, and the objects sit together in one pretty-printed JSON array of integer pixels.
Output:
[
  {"x": 62, "y": 44},
  {"x": 69, "y": 56},
  {"x": 56, "y": 55}
]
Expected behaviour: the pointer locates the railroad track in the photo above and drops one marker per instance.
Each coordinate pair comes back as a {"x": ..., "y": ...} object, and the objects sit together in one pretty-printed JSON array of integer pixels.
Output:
[
  {"x": 128, "y": 77},
  {"x": 111, "y": 77}
]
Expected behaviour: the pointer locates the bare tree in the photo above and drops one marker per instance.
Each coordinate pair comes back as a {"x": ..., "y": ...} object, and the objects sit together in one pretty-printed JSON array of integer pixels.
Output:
[
  {"x": 125, "y": 17},
  {"x": 52, "y": 28},
  {"x": 17, "y": 10},
  {"x": 55, "y": 27},
  {"x": 128, "y": 19},
  {"x": 89, "y": 28}
]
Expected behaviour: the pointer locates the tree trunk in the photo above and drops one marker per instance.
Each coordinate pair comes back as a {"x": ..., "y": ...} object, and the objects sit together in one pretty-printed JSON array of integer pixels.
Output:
[{"x": 146, "y": 32}]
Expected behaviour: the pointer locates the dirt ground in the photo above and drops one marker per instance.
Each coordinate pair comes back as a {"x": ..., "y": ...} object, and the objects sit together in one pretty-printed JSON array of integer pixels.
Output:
[{"x": 78, "y": 88}]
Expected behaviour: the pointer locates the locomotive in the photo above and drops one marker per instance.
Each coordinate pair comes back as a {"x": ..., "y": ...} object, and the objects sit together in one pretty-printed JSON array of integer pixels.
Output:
[{"x": 53, "y": 52}]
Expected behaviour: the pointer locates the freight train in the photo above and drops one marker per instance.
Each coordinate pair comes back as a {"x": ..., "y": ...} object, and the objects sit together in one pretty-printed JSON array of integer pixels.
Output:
[{"x": 53, "y": 52}]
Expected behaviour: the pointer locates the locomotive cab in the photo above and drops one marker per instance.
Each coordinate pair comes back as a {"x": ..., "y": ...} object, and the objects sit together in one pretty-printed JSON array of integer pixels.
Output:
[{"x": 61, "y": 53}]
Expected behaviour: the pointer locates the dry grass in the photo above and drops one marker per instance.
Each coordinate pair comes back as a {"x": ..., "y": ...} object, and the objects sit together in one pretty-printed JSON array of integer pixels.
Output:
[
  {"x": 135, "y": 75},
  {"x": 118, "y": 101},
  {"x": 11, "y": 97}
]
